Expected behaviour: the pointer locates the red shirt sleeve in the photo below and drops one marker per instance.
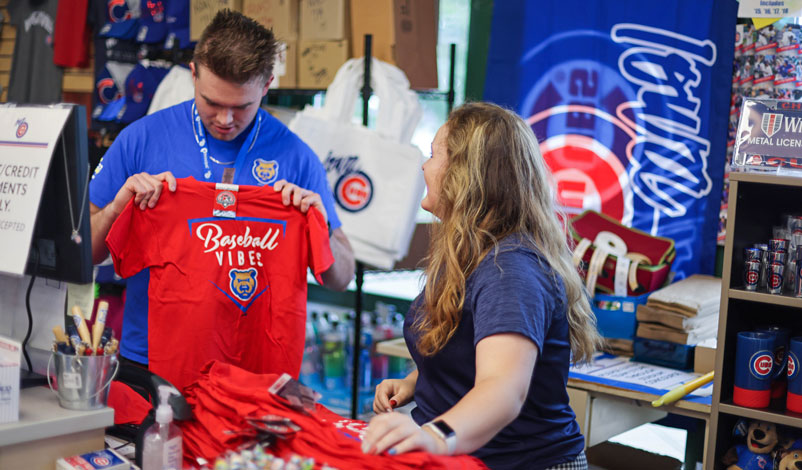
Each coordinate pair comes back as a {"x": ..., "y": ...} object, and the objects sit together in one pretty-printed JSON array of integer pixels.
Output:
[
  {"x": 320, "y": 257},
  {"x": 71, "y": 38},
  {"x": 133, "y": 241}
]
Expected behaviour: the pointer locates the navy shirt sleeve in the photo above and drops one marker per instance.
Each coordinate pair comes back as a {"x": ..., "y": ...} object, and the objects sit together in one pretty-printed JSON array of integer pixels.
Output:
[{"x": 510, "y": 297}]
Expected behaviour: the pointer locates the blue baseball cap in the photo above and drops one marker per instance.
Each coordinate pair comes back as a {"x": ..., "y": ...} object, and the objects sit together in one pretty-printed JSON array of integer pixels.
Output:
[
  {"x": 140, "y": 86},
  {"x": 122, "y": 21},
  {"x": 152, "y": 21},
  {"x": 106, "y": 91},
  {"x": 177, "y": 12}
]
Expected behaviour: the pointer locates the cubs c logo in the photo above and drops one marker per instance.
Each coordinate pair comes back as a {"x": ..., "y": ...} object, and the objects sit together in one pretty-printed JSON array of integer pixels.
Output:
[
  {"x": 22, "y": 128},
  {"x": 760, "y": 364},
  {"x": 101, "y": 461},
  {"x": 265, "y": 171},
  {"x": 776, "y": 280},
  {"x": 226, "y": 199},
  {"x": 792, "y": 360},
  {"x": 353, "y": 191},
  {"x": 118, "y": 11},
  {"x": 243, "y": 283},
  {"x": 107, "y": 90}
]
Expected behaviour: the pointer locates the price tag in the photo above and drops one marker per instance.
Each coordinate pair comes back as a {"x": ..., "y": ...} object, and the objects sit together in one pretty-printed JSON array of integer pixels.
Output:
[{"x": 71, "y": 380}]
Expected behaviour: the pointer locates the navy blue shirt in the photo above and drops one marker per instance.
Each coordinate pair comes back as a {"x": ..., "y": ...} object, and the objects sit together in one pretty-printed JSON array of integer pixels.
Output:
[{"x": 513, "y": 292}]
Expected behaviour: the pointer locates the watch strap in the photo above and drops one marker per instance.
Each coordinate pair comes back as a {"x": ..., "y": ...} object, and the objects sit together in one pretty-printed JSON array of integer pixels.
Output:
[{"x": 444, "y": 432}]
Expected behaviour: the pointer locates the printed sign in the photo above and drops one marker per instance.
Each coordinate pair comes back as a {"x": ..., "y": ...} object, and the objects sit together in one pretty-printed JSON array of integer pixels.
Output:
[
  {"x": 769, "y": 8},
  {"x": 28, "y": 136},
  {"x": 623, "y": 101},
  {"x": 769, "y": 136}
]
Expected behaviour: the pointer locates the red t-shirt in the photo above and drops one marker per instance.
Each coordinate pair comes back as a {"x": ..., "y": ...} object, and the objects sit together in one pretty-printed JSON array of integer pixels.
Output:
[
  {"x": 224, "y": 397},
  {"x": 230, "y": 289}
]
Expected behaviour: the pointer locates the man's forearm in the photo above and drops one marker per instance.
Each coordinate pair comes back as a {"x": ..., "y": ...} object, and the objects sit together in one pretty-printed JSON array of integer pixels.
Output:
[
  {"x": 339, "y": 275},
  {"x": 102, "y": 219}
]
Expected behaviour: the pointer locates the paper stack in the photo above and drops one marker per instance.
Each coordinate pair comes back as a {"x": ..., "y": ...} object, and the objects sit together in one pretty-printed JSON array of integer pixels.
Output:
[{"x": 685, "y": 312}]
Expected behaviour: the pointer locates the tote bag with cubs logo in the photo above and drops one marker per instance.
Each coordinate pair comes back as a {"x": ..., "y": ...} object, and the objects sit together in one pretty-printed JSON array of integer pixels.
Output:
[{"x": 375, "y": 174}]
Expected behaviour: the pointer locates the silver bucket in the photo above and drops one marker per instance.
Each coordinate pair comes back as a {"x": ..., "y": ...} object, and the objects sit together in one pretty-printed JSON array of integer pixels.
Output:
[{"x": 83, "y": 381}]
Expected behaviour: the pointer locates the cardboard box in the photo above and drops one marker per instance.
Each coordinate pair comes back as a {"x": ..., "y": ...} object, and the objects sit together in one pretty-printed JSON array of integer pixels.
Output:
[
  {"x": 324, "y": 19},
  {"x": 704, "y": 359},
  {"x": 404, "y": 34},
  {"x": 201, "y": 13},
  {"x": 285, "y": 69},
  {"x": 318, "y": 62},
  {"x": 279, "y": 15}
]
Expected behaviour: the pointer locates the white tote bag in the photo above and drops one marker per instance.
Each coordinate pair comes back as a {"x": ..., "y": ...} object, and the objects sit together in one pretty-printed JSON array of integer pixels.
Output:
[{"x": 375, "y": 174}]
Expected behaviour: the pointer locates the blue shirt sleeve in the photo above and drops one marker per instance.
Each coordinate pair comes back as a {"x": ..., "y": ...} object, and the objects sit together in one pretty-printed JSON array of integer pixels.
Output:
[
  {"x": 113, "y": 170},
  {"x": 513, "y": 293}
]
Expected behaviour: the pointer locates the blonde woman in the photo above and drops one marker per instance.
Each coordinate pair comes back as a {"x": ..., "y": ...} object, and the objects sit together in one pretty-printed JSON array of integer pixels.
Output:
[{"x": 503, "y": 312}]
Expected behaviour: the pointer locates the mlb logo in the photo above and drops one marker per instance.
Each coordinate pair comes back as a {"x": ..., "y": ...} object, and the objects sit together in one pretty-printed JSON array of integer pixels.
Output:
[{"x": 770, "y": 123}]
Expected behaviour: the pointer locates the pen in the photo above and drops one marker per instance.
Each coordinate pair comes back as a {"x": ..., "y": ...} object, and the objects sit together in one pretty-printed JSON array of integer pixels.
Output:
[{"x": 683, "y": 390}]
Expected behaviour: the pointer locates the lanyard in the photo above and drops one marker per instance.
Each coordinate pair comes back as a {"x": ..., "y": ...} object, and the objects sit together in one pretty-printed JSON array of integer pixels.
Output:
[{"x": 200, "y": 139}]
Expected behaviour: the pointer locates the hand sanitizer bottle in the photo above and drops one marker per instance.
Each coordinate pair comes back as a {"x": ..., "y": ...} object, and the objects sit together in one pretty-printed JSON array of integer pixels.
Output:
[{"x": 162, "y": 442}]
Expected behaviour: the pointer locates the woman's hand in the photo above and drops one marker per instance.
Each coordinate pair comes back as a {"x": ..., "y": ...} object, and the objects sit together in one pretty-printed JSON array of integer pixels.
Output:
[
  {"x": 392, "y": 393},
  {"x": 397, "y": 433}
]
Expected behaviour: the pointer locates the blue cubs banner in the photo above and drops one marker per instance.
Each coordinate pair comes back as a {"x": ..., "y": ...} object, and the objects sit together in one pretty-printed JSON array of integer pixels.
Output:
[{"x": 630, "y": 101}]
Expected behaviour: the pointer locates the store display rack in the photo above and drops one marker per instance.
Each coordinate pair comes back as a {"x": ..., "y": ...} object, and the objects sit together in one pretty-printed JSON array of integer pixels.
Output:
[{"x": 757, "y": 202}]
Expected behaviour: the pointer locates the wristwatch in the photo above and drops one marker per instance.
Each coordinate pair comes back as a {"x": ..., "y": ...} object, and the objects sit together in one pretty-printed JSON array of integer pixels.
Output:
[{"x": 444, "y": 432}]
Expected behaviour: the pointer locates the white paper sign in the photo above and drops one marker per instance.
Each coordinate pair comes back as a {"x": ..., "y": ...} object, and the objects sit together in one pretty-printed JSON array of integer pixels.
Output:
[
  {"x": 769, "y": 8},
  {"x": 10, "y": 352},
  {"x": 28, "y": 136}
]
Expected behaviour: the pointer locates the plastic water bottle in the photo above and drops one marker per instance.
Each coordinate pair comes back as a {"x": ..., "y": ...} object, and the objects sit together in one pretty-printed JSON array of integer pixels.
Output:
[{"x": 334, "y": 360}]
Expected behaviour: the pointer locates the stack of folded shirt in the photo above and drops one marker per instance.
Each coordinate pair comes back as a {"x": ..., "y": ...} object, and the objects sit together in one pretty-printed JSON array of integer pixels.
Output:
[{"x": 685, "y": 312}]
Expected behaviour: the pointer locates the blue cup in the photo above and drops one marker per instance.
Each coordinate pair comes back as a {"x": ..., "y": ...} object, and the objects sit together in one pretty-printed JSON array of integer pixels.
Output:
[
  {"x": 754, "y": 364},
  {"x": 780, "y": 350},
  {"x": 794, "y": 399}
]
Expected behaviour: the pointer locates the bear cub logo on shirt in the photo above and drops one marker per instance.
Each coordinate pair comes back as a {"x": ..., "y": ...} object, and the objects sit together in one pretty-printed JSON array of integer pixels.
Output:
[
  {"x": 243, "y": 283},
  {"x": 264, "y": 171}
]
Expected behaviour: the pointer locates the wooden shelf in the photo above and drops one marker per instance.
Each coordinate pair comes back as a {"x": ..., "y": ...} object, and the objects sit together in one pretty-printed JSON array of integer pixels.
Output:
[
  {"x": 785, "y": 418},
  {"x": 767, "y": 178},
  {"x": 762, "y": 297}
]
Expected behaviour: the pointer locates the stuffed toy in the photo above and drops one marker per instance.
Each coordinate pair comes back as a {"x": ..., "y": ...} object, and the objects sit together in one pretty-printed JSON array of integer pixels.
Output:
[
  {"x": 789, "y": 456},
  {"x": 756, "y": 452}
]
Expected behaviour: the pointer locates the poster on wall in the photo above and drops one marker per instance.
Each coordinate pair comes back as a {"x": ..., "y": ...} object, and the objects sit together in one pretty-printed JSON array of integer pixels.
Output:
[{"x": 629, "y": 108}]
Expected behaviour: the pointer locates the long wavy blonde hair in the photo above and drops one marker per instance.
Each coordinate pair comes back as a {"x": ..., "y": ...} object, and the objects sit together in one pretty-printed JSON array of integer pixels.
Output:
[{"x": 495, "y": 184}]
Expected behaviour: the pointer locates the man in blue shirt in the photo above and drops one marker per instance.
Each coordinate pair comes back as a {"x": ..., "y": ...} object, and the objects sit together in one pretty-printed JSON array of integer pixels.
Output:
[{"x": 221, "y": 134}]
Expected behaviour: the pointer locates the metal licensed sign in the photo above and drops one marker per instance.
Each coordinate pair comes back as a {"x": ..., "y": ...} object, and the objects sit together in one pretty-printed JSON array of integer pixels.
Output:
[{"x": 769, "y": 137}]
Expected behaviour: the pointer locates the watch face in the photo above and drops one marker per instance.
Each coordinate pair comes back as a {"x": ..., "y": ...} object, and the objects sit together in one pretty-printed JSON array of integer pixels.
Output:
[{"x": 443, "y": 427}]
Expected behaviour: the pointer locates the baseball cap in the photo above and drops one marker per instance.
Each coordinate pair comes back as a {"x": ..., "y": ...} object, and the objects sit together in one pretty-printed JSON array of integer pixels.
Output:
[
  {"x": 177, "y": 13},
  {"x": 152, "y": 21},
  {"x": 109, "y": 85},
  {"x": 140, "y": 85},
  {"x": 123, "y": 20}
]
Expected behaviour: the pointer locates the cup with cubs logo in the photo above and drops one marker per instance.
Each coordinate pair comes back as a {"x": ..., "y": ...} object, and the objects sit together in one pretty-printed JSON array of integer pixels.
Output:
[
  {"x": 794, "y": 398},
  {"x": 754, "y": 364}
]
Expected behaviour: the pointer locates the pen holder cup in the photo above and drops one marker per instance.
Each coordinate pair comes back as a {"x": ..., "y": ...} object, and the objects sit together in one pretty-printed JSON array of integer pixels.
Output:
[{"x": 83, "y": 381}]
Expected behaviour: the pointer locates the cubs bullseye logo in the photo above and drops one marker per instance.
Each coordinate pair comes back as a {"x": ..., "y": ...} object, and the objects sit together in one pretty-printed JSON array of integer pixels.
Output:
[
  {"x": 792, "y": 360},
  {"x": 22, "y": 128},
  {"x": 776, "y": 280},
  {"x": 101, "y": 461},
  {"x": 752, "y": 278},
  {"x": 760, "y": 364},
  {"x": 353, "y": 191}
]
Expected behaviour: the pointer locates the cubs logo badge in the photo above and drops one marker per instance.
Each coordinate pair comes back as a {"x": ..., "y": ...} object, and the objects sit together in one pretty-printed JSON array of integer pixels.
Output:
[
  {"x": 101, "y": 461},
  {"x": 22, "y": 128},
  {"x": 792, "y": 360},
  {"x": 265, "y": 171},
  {"x": 353, "y": 191},
  {"x": 243, "y": 283},
  {"x": 226, "y": 199},
  {"x": 760, "y": 364}
]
